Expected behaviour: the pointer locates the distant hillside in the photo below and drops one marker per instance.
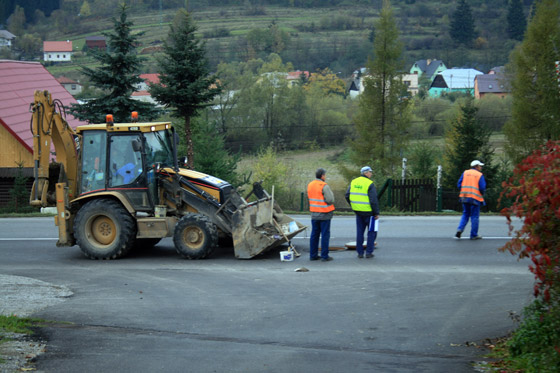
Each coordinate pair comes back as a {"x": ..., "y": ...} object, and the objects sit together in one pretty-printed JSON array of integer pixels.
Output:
[{"x": 335, "y": 34}]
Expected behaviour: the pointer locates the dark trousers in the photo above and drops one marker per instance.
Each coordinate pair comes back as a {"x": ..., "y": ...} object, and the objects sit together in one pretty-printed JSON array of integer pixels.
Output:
[
  {"x": 320, "y": 228},
  {"x": 363, "y": 223}
]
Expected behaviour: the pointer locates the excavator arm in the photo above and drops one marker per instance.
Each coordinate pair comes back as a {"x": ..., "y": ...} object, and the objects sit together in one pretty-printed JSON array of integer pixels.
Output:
[{"x": 49, "y": 127}]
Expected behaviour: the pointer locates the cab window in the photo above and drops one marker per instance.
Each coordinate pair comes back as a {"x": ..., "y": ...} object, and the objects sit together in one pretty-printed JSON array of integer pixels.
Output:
[
  {"x": 125, "y": 163},
  {"x": 93, "y": 161}
]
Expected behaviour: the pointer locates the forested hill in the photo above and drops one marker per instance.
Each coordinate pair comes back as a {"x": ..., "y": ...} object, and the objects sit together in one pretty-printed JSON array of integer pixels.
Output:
[{"x": 310, "y": 34}]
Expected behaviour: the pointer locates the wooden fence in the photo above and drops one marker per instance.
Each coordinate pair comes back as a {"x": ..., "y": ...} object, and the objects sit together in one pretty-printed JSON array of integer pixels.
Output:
[{"x": 411, "y": 195}]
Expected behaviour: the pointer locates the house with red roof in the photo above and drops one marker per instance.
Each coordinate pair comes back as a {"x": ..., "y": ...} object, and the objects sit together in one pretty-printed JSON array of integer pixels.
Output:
[
  {"x": 142, "y": 93},
  {"x": 18, "y": 82},
  {"x": 57, "y": 51}
]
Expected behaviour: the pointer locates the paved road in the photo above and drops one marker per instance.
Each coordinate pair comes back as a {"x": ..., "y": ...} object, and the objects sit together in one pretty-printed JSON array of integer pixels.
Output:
[{"x": 412, "y": 308}]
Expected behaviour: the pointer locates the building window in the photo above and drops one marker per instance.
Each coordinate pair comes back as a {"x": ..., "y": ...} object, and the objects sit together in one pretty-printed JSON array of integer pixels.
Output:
[
  {"x": 73, "y": 87},
  {"x": 58, "y": 56}
]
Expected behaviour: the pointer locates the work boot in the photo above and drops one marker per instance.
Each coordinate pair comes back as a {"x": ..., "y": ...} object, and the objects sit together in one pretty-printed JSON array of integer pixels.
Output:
[
  {"x": 369, "y": 255},
  {"x": 476, "y": 238},
  {"x": 458, "y": 234},
  {"x": 327, "y": 259}
]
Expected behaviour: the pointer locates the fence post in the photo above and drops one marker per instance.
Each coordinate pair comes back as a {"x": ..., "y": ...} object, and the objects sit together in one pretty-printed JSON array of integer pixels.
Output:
[
  {"x": 403, "y": 176},
  {"x": 390, "y": 189},
  {"x": 439, "y": 190},
  {"x": 301, "y": 202}
]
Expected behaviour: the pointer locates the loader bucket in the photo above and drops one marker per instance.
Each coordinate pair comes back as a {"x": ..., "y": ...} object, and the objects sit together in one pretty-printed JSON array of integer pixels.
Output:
[{"x": 259, "y": 227}]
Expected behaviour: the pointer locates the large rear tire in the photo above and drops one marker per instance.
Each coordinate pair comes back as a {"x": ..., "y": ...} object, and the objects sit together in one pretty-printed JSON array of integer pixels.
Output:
[
  {"x": 104, "y": 229},
  {"x": 195, "y": 236}
]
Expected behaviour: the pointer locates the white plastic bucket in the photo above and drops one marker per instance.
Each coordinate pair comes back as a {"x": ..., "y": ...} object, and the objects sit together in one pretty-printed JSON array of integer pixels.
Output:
[{"x": 286, "y": 256}]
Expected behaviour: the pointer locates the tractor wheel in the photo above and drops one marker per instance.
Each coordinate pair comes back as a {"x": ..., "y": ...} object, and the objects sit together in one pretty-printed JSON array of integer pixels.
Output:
[
  {"x": 104, "y": 229},
  {"x": 195, "y": 236}
]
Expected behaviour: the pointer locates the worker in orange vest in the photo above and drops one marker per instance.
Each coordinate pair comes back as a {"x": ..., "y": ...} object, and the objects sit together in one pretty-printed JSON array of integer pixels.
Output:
[
  {"x": 472, "y": 186},
  {"x": 321, "y": 205}
]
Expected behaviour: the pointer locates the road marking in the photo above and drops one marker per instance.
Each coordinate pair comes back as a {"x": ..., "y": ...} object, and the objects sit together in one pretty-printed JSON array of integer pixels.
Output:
[
  {"x": 487, "y": 238},
  {"x": 28, "y": 239}
]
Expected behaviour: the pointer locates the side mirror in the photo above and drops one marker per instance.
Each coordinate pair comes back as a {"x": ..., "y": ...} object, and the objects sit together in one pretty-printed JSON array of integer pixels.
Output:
[
  {"x": 182, "y": 161},
  {"x": 136, "y": 145}
]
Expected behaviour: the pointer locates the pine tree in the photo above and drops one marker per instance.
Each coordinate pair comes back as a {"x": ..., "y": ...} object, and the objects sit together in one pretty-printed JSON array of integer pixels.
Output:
[
  {"x": 185, "y": 81},
  {"x": 536, "y": 94},
  {"x": 382, "y": 120},
  {"x": 467, "y": 140},
  {"x": 217, "y": 161},
  {"x": 516, "y": 21},
  {"x": 118, "y": 77},
  {"x": 462, "y": 24}
]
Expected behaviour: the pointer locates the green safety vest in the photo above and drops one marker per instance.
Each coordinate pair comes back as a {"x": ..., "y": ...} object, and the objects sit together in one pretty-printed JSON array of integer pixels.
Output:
[{"x": 359, "y": 199}]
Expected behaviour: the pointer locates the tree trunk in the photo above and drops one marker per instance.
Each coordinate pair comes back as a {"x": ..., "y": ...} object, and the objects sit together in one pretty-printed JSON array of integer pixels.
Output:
[{"x": 188, "y": 137}]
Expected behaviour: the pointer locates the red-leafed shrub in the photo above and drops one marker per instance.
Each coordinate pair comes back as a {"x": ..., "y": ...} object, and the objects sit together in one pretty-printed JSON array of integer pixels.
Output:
[{"x": 535, "y": 192}]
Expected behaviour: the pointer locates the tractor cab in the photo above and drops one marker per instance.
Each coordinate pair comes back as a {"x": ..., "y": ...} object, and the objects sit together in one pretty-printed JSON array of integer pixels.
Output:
[{"x": 124, "y": 157}]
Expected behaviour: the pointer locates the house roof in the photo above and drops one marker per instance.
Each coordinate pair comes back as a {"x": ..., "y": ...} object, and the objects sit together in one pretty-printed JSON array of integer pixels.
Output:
[
  {"x": 297, "y": 74},
  {"x": 95, "y": 38},
  {"x": 57, "y": 46},
  {"x": 65, "y": 80},
  {"x": 492, "y": 83},
  {"x": 429, "y": 67},
  {"x": 5, "y": 34},
  {"x": 460, "y": 78},
  {"x": 18, "y": 83},
  {"x": 150, "y": 78}
]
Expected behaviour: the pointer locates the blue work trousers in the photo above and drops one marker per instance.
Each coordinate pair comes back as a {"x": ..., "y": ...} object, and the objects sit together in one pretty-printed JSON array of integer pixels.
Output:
[
  {"x": 472, "y": 212},
  {"x": 320, "y": 228},
  {"x": 363, "y": 223}
]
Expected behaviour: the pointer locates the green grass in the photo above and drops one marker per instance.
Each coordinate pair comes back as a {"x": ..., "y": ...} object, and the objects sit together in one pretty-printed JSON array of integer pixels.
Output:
[{"x": 14, "y": 324}]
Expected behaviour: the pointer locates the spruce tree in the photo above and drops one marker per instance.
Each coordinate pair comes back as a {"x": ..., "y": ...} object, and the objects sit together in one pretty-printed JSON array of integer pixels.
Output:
[
  {"x": 185, "y": 81},
  {"x": 217, "y": 161},
  {"x": 468, "y": 139},
  {"x": 382, "y": 120},
  {"x": 535, "y": 87},
  {"x": 516, "y": 21},
  {"x": 118, "y": 77},
  {"x": 462, "y": 24}
]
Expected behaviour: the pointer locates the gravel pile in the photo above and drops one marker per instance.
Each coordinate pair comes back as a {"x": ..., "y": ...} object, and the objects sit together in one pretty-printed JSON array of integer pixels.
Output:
[{"x": 23, "y": 296}]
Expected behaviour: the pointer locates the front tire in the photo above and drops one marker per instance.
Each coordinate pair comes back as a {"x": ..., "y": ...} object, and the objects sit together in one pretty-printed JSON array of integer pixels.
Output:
[
  {"x": 104, "y": 229},
  {"x": 195, "y": 236}
]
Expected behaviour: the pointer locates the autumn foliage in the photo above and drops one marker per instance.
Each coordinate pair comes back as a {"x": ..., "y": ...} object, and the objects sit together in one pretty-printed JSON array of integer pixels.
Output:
[{"x": 535, "y": 192}]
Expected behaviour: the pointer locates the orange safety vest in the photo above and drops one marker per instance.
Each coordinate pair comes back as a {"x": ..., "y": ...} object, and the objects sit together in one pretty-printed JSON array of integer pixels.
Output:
[
  {"x": 316, "y": 200},
  {"x": 469, "y": 187}
]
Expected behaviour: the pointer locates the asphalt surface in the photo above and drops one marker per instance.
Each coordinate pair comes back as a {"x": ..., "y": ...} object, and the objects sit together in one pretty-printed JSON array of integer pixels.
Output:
[{"x": 425, "y": 303}]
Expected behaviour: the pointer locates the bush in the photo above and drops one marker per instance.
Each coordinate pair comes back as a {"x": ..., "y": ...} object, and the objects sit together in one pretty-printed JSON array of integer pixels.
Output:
[
  {"x": 535, "y": 190},
  {"x": 535, "y": 345}
]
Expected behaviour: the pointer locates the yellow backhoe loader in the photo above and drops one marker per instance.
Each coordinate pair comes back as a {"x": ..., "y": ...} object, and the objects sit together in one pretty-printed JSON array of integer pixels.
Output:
[{"x": 117, "y": 186}]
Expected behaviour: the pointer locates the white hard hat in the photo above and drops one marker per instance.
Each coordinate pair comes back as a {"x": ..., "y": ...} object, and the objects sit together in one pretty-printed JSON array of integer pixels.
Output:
[{"x": 476, "y": 163}]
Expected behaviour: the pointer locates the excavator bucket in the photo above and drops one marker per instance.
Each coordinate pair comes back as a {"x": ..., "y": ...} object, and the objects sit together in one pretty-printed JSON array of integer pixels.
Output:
[{"x": 261, "y": 226}]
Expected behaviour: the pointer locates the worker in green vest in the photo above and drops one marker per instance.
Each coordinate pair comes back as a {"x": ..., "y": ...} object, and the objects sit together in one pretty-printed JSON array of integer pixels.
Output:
[{"x": 362, "y": 196}]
